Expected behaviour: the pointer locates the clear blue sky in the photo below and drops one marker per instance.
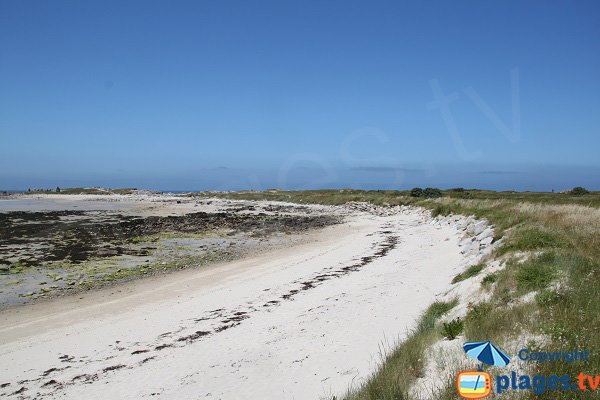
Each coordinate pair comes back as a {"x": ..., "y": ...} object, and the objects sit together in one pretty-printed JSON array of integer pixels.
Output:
[{"x": 259, "y": 94}]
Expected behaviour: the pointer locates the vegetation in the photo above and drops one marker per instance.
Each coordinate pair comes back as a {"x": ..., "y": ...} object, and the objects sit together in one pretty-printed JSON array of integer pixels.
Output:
[
  {"x": 579, "y": 191},
  {"x": 551, "y": 248},
  {"x": 469, "y": 273},
  {"x": 489, "y": 279},
  {"x": 481, "y": 199},
  {"x": 451, "y": 329},
  {"x": 426, "y": 193}
]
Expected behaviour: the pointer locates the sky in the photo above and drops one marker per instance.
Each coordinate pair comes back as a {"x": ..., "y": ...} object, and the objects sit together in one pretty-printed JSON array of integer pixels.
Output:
[{"x": 231, "y": 95}]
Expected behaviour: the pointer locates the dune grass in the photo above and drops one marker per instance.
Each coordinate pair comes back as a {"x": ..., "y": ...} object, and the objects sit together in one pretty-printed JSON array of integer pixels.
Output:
[{"x": 472, "y": 271}]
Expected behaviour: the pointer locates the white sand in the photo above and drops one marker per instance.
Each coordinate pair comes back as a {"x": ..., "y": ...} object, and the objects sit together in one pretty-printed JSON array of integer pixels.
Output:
[{"x": 317, "y": 343}]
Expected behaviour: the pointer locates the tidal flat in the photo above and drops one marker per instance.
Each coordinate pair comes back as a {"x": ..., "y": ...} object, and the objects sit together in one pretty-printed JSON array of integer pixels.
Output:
[{"x": 59, "y": 245}]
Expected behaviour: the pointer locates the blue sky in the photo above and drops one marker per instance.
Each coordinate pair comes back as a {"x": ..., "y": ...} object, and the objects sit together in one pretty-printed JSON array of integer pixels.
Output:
[{"x": 259, "y": 94}]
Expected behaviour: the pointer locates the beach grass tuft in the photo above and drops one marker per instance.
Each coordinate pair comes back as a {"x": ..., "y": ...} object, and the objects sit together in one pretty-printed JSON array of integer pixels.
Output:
[{"x": 472, "y": 271}]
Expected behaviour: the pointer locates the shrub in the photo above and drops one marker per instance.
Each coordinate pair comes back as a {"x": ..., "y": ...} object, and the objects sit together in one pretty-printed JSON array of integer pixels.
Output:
[
  {"x": 452, "y": 329},
  {"x": 425, "y": 193},
  {"x": 579, "y": 191},
  {"x": 432, "y": 192},
  {"x": 416, "y": 192}
]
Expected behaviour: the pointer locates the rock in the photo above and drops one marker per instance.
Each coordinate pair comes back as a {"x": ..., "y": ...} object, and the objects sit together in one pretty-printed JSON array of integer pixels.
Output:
[
  {"x": 498, "y": 243},
  {"x": 107, "y": 252},
  {"x": 467, "y": 221},
  {"x": 487, "y": 241},
  {"x": 470, "y": 247},
  {"x": 476, "y": 228},
  {"x": 470, "y": 229},
  {"x": 486, "y": 252},
  {"x": 488, "y": 232},
  {"x": 465, "y": 241}
]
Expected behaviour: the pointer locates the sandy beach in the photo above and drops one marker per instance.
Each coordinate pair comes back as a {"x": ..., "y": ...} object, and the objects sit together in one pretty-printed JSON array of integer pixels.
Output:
[{"x": 306, "y": 320}]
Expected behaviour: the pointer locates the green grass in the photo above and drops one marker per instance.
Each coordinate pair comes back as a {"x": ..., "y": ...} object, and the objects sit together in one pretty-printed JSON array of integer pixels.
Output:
[
  {"x": 489, "y": 279},
  {"x": 531, "y": 238},
  {"x": 435, "y": 311},
  {"x": 536, "y": 273},
  {"x": 472, "y": 271}
]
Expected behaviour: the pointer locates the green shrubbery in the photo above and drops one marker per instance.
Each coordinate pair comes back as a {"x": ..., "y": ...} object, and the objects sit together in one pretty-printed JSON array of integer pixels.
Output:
[
  {"x": 579, "y": 191},
  {"x": 426, "y": 193},
  {"x": 450, "y": 330}
]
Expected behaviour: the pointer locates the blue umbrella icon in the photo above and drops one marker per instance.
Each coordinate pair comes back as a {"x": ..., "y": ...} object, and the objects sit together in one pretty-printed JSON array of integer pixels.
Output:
[{"x": 486, "y": 353}]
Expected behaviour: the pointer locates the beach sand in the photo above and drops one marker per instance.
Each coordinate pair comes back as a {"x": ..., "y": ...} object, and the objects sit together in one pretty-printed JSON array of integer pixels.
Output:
[{"x": 302, "y": 322}]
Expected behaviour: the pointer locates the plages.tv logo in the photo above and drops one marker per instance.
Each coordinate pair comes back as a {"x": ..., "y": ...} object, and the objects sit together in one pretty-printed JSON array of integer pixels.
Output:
[
  {"x": 474, "y": 384},
  {"x": 478, "y": 384}
]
